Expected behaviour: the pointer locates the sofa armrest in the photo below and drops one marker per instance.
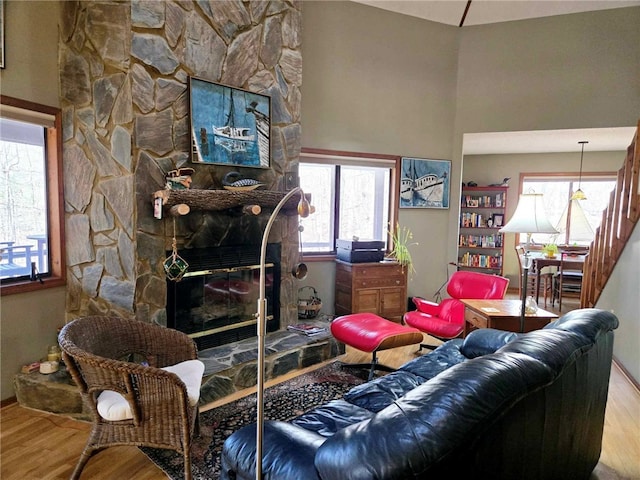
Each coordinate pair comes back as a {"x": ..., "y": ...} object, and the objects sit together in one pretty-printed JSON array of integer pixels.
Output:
[
  {"x": 425, "y": 306},
  {"x": 288, "y": 454}
]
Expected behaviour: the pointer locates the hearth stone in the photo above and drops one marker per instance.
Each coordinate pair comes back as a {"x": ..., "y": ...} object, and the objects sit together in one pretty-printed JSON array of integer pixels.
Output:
[
  {"x": 228, "y": 368},
  {"x": 232, "y": 367},
  {"x": 55, "y": 393}
]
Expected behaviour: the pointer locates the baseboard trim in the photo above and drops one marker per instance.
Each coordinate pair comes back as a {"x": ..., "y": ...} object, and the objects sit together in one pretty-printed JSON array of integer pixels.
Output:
[
  {"x": 8, "y": 401},
  {"x": 626, "y": 373}
]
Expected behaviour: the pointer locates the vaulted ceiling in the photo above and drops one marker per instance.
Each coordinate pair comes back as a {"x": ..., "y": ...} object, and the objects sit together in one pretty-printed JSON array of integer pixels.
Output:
[{"x": 477, "y": 12}]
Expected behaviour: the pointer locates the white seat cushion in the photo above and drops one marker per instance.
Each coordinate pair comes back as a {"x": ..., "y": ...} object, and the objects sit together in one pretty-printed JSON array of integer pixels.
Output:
[{"x": 113, "y": 407}]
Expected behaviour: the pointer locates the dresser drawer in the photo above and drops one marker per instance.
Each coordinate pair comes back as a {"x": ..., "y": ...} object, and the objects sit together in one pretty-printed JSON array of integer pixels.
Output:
[
  {"x": 379, "y": 270},
  {"x": 375, "y": 282}
]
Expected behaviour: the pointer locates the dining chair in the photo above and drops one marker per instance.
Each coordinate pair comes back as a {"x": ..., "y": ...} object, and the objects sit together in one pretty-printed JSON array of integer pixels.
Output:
[
  {"x": 567, "y": 282},
  {"x": 546, "y": 278}
]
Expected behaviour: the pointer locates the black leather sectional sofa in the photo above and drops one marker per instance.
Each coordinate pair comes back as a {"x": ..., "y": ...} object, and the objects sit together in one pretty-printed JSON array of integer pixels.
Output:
[{"x": 495, "y": 405}]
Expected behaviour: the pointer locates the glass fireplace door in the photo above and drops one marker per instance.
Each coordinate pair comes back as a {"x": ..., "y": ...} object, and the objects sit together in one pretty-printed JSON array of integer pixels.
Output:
[{"x": 219, "y": 306}]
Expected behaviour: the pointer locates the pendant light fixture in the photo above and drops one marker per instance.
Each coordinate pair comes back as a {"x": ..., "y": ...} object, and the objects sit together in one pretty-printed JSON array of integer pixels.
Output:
[{"x": 579, "y": 194}]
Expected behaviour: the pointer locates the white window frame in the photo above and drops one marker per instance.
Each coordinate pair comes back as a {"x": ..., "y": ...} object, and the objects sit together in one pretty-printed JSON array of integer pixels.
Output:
[
  {"x": 51, "y": 119},
  {"x": 343, "y": 158}
]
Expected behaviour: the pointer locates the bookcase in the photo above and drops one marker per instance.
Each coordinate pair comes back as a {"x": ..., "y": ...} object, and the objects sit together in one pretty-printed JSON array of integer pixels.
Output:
[{"x": 482, "y": 214}]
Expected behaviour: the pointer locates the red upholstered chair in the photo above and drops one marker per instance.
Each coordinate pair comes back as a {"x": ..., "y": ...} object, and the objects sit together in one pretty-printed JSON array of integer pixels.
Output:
[{"x": 446, "y": 319}]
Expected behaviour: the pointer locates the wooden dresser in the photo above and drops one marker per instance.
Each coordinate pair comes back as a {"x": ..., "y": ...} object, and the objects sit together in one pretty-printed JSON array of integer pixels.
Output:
[{"x": 379, "y": 288}]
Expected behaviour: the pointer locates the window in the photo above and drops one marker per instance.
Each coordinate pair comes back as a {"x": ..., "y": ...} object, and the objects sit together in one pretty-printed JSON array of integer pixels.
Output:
[
  {"x": 31, "y": 228},
  {"x": 576, "y": 220},
  {"x": 353, "y": 194}
]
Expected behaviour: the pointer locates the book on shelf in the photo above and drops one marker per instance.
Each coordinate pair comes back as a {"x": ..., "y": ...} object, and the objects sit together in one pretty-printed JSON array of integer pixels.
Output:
[{"x": 306, "y": 328}]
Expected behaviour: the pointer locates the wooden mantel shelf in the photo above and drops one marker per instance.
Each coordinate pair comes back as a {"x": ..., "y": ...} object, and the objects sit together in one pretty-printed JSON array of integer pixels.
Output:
[{"x": 252, "y": 201}]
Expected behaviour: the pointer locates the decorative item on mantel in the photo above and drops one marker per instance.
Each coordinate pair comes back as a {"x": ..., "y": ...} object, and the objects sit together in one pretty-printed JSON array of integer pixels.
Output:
[
  {"x": 179, "y": 179},
  {"x": 234, "y": 181}
]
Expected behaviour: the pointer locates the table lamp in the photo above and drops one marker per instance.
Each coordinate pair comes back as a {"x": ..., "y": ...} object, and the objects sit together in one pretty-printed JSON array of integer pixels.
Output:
[
  {"x": 529, "y": 218},
  {"x": 304, "y": 209}
]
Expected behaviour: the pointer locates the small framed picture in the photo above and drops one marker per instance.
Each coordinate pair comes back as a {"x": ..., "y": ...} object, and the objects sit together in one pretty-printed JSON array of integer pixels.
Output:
[
  {"x": 498, "y": 219},
  {"x": 424, "y": 183},
  {"x": 472, "y": 202}
]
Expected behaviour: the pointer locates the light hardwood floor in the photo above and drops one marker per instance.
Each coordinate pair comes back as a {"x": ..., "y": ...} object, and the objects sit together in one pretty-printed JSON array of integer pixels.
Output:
[{"x": 35, "y": 445}]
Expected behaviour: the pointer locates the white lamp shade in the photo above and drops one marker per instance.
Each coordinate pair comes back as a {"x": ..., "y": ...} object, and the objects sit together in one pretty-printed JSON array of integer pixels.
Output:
[
  {"x": 580, "y": 229},
  {"x": 529, "y": 216}
]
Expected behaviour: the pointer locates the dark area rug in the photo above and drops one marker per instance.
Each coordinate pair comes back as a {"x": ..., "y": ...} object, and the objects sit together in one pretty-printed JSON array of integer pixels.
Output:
[{"x": 284, "y": 401}]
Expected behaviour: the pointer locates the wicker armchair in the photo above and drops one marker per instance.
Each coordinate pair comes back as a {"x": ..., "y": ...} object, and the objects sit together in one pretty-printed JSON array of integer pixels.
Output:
[{"x": 157, "y": 408}]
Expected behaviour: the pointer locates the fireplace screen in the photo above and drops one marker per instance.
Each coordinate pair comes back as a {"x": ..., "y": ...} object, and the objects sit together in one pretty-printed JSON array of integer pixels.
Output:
[{"x": 218, "y": 305}]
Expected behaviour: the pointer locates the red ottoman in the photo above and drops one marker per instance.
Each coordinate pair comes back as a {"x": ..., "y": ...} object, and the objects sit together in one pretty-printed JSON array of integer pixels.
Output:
[{"x": 370, "y": 333}]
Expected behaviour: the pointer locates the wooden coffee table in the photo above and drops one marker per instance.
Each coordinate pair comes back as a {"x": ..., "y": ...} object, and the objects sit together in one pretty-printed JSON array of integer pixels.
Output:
[{"x": 502, "y": 315}]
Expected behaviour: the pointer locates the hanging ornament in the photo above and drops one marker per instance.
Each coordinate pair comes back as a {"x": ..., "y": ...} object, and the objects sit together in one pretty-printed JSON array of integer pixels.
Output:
[
  {"x": 299, "y": 270},
  {"x": 174, "y": 265}
]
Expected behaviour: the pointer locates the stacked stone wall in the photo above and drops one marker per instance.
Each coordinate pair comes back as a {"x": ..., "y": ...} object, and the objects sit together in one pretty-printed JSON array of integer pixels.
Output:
[{"x": 125, "y": 69}]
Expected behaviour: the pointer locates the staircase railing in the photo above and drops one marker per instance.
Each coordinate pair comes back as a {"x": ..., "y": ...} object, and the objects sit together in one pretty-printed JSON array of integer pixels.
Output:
[{"x": 618, "y": 222}]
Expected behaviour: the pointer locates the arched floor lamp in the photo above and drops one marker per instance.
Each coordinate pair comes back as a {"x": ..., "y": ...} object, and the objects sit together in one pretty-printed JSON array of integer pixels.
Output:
[{"x": 304, "y": 209}]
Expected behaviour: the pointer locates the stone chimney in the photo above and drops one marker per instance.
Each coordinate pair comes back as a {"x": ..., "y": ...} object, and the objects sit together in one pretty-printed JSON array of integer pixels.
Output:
[{"x": 124, "y": 72}]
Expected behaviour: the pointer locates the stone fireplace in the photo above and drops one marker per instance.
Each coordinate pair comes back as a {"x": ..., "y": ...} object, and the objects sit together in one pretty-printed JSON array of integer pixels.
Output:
[
  {"x": 124, "y": 74},
  {"x": 125, "y": 68}
]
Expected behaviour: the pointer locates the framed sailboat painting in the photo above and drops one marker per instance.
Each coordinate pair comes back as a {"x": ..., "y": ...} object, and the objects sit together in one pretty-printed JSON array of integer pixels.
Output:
[
  {"x": 229, "y": 126},
  {"x": 424, "y": 183}
]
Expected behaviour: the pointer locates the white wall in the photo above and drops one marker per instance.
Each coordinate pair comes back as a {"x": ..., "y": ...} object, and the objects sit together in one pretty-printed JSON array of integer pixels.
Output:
[{"x": 29, "y": 321}]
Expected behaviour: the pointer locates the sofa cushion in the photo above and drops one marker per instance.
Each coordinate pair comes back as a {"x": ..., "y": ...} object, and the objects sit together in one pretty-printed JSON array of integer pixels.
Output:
[
  {"x": 327, "y": 419},
  {"x": 442, "y": 358},
  {"x": 381, "y": 392},
  {"x": 484, "y": 341}
]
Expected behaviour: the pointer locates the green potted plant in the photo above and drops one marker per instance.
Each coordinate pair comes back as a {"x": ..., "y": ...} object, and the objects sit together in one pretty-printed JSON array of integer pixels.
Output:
[{"x": 402, "y": 239}]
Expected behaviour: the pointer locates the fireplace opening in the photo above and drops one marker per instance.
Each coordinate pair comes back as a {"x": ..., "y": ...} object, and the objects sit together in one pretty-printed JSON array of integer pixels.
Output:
[{"x": 216, "y": 301}]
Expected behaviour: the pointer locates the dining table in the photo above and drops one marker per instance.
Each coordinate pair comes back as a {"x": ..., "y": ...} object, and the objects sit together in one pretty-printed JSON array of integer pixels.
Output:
[{"x": 540, "y": 260}]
